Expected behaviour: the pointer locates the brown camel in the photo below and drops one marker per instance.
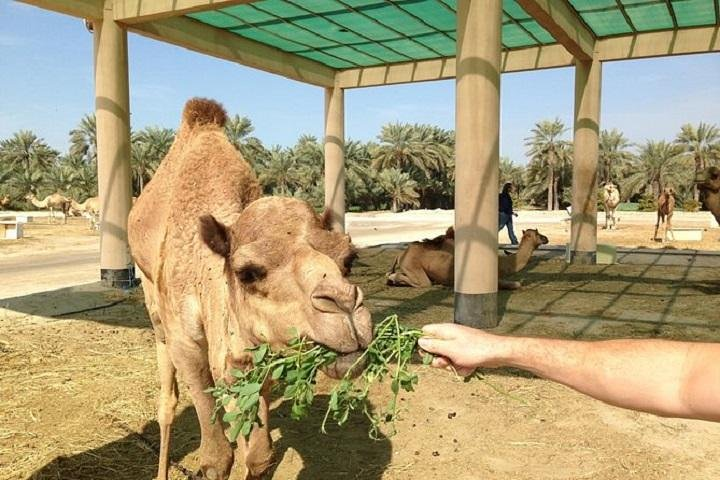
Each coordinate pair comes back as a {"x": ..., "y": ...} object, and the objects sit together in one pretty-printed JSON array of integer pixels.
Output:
[
  {"x": 4, "y": 201},
  {"x": 225, "y": 272},
  {"x": 432, "y": 261},
  {"x": 665, "y": 209},
  {"x": 53, "y": 202},
  {"x": 89, "y": 209},
  {"x": 611, "y": 200},
  {"x": 709, "y": 184}
]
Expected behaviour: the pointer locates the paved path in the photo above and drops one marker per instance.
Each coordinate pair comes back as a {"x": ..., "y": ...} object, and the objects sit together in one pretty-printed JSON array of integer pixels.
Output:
[{"x": 23, "y": 275}]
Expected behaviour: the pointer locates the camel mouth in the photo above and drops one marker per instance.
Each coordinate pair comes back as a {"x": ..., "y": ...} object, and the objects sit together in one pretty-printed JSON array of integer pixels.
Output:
[
  {"x": 544, "y": 240},
  {"x": 346, "y": 364}
]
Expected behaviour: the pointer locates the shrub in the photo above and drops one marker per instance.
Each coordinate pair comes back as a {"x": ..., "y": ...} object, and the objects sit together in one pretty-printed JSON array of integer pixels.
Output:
[
  {"x": 647, "y": 203},
  {"x": 691, "y": 205}
]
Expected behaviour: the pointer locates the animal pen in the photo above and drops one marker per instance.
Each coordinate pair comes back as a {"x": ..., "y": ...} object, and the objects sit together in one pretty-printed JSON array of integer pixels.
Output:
[
  {"x": 83, "y": 387},
  {"x": 343, "y": 44}
]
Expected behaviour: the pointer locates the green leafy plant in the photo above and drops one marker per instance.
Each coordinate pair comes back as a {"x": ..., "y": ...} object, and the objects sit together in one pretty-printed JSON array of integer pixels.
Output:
[{"x": 293, "y": 371}]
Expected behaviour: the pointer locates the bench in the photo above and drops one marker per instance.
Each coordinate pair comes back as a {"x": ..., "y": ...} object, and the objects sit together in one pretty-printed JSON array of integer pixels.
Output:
[{"x": 12, "y": 229}]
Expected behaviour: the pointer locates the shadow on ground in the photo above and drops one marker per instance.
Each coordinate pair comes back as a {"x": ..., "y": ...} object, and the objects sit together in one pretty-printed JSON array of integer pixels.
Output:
[{"x": 301, "y": 451}]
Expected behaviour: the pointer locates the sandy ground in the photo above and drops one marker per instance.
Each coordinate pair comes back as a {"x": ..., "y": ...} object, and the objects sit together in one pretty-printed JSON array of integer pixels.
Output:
[{"x": 79, "y": 389}]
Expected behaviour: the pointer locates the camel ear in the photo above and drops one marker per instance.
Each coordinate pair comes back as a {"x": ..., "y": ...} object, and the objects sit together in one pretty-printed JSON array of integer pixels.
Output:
[
  {"x": 326, "y": 220},
  {"x": 215, "y": 235}
]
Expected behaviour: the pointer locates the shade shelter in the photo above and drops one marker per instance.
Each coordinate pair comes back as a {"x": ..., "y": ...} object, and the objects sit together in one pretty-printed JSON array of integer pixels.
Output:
[{"x": 343, "y": 44}]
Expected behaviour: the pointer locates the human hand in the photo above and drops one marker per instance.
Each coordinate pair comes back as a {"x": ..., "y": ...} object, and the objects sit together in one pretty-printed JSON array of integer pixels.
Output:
[
  {"x": 515, "y": 214},
  {"x": 459, "y": 348}
]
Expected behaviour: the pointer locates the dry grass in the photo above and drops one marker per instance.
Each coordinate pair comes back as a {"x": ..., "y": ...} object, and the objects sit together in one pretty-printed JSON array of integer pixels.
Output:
[{"x": 78, "y": 393}]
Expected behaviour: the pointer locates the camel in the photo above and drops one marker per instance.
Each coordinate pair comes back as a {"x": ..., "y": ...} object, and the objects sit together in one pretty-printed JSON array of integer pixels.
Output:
[
  {"x": 432, "y": 261},
  {"x": 611, "y": 199},
  {"x": 4, "y": 201},
  {"x": 89, "y": 209},
  {"x": 709, "y": 183},
  {"x": 228, "y": 271},
  {"x": 665, "y": 209},
  {"x": 56, "y": 201}
]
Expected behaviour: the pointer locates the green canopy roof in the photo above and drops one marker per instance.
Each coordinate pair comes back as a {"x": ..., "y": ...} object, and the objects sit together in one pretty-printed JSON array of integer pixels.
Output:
[{"x": 360, "y": 33}]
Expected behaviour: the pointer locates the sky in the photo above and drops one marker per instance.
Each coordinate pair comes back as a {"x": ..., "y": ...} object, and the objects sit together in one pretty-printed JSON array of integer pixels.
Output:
[{"x": 46, "y": 86}]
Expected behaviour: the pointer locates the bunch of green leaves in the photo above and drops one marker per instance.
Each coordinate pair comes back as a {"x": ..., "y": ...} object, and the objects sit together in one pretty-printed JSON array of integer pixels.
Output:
[
  {"x": 389, "y": 353},
  {"x": 293, "y": 371}
]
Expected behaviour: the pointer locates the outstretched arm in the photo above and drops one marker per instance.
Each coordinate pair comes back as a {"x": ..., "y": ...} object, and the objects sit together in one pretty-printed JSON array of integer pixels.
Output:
[{"x": 678, "y": 379}]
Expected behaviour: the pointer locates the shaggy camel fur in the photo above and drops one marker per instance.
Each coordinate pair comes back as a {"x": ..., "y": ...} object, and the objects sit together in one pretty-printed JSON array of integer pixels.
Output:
[
  {"x": 709, "y": 183},
  {"x": 665, "y": 209},
  {"x": 611, "y": 199},
  {"x": 53, "y": 202},
  {"x": 89, "y": 209},
  {"x": 432, "y": 261},
  {"x": 225, "y": 272}
]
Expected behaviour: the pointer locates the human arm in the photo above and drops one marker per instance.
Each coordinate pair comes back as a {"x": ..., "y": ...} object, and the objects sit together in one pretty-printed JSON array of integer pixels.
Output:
[{"x": 678, "y": 379}]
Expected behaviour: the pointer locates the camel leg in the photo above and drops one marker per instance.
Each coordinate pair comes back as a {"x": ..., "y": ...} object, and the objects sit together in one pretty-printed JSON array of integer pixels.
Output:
[
  {"x": 166, "y": 406},
  {"x": 409, "y": 279},
  {"x": 216, "y": 454},
  {"x": 657, "y": 225},
  {"x": 668, "y": 227},
  {"x": 257, "y": 450}
]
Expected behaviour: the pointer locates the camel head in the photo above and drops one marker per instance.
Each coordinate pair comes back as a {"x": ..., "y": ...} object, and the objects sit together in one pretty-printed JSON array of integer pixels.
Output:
[
  {"x": 610, "y": 189},
  {"x": 669, "y": 191},
  {"x": 286, "y": 276},
  {"x": 534, "y": 237},
  {"x": 709, "y": 181}
]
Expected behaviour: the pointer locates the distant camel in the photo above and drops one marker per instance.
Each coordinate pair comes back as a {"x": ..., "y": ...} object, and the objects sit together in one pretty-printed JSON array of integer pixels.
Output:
[
  {"x": 53, "y": 202},
  {"x": 665, "y": 208},
  {"x": 4, "y": 201},
  {"x": 611, "y": 200},
  {"x": 431, "y": 262},
  {"x": 709, "y": 183},
  {"x": 89, "y": 209}
]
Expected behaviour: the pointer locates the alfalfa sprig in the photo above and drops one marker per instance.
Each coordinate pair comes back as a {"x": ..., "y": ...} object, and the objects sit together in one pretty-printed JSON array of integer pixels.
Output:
[{"x": 295, "y": 369}]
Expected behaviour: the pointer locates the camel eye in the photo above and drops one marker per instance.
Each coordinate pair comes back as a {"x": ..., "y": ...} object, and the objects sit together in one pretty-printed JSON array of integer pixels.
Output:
[{"x": 251, "y": 273}]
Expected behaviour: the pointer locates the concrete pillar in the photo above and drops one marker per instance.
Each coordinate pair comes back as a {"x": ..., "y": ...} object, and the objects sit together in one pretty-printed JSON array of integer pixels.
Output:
[
  {"x": 335, "y": 156},
  {"x": 477, "y": 133},
  {"x": 583, "y": 234},
  {"x": 112, "y": 110}
]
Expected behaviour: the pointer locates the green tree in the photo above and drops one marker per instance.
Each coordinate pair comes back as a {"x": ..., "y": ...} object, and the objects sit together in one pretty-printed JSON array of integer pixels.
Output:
[
  {"x": 239, "y": 130},
  {"x": 548, "y": 151},
  {"x": 400, "y": 188},
  {"x": 406, "y": 146},
  {"x": 702, "y": 144},
  {"x": 149, "y": 147},
  {"x": 276, "y": 176},
  {"x": 83, "y": 139},
  {"x": 26, "y": 151},
  {"x": 658, "y": 164},
  {"x": 614, "y": 156}
]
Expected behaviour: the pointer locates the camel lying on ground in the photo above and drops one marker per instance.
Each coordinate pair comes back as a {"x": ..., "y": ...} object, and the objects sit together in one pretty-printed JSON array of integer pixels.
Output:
[
  {"x": 53, "y": 202},
  {"x": 611, "y": 200},
  {"x": 89, "y": 209},
  {"x": 227, "y": 271},
  {"x": 432, "y": 261},
  {"x": 709, "y": 183},
  {"x": 665, "y": 209}
]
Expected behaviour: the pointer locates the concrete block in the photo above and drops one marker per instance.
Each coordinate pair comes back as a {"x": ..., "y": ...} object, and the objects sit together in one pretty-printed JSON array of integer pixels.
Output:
[
  {"x": 606, "y": 254},
  {"x": 685, "y": 234},
  {"x": 12, "y": 230}
]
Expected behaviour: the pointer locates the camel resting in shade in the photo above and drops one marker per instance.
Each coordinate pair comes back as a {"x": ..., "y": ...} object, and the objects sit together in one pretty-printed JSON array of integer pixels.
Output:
[{"x": 432, "y": 261}]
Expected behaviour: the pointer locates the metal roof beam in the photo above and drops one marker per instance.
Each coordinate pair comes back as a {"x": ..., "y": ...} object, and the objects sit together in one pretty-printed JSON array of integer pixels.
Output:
[
  {"x": 563, "y": 24},
  {"x": 216, "y": 42},
  {"x": 138, "y": 11},
  {"x": 76, "y": 8}
]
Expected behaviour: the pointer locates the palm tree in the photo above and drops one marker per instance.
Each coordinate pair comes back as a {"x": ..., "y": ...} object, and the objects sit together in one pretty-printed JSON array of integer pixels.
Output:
[
  {"x": 149, "y": 147},
  {"x": 83, "y": 139},
  {"x": 276, "y": 176},
  {"x": 238, "y": 130},
  {"x": 614, "y": 156},
  {"x": 702, "y": 144},
  {"x": 406, "y": 146},
  {"x": 552, "y": 153},
  {"x": 657, "y": 165},
  {"x": 25, "y": 151},
  {"x": 400, "y": 187}
]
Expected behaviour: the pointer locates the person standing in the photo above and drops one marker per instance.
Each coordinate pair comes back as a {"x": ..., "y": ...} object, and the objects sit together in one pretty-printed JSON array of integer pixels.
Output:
[{"x": 506, "y": 212}]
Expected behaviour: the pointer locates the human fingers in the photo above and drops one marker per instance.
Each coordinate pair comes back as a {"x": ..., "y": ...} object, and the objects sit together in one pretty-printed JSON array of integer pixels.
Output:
[
  {"x": 433, "y": 345},
  {"x": 440, "y": 362},
  {"x": 438, "y": 330}
]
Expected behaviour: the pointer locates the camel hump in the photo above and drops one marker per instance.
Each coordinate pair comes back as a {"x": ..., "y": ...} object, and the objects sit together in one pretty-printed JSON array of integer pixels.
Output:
[{"x": 203, "y": 111}]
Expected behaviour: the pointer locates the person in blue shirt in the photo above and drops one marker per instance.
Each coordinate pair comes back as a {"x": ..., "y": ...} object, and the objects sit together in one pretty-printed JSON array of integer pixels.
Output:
[{"x": 506, "y": 212}]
